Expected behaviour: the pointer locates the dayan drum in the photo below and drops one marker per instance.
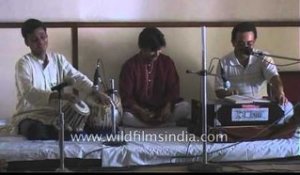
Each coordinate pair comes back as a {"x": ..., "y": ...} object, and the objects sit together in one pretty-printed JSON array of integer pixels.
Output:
[
  {"x": 100, "y": 117},
  {"x": 76, "y": 115}
]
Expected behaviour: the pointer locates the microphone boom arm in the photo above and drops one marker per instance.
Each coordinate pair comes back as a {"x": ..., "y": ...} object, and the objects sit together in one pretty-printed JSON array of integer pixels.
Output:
[
  {"x": 201, "y": 73},
  {"x": 275, "y": 56}
]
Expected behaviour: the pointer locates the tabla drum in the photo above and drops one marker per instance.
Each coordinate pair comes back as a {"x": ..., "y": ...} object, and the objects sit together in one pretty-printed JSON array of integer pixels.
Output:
[
  {"x": 100, "y": 117},
  {"x": 76, "y": 115}
]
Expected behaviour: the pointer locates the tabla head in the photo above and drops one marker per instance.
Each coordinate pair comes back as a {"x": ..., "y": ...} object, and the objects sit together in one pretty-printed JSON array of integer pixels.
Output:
[{"x": 82, "y": 108}]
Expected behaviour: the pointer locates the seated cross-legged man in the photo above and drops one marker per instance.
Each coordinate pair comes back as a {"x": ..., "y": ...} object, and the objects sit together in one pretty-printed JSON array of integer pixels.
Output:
[
  {"x": 39, "y": 76},
  {"x": 149, "y": 85}
]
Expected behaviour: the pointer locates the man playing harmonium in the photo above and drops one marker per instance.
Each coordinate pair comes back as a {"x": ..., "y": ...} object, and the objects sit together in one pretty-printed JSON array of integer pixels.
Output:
[{"x": 247, "y": 72}]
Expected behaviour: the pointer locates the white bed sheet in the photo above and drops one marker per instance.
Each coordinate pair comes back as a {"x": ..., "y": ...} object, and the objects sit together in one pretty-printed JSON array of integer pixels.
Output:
[
  {"x": 153, "y": 152},
  {"x": 147, "y": 152},
  {"x": 17, "y": 148}
]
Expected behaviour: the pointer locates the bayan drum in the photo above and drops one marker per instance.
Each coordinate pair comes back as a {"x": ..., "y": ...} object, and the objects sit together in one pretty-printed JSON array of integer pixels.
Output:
[
  {"x": 75, "y": 116},
  {"x": 100, "y": 117}
]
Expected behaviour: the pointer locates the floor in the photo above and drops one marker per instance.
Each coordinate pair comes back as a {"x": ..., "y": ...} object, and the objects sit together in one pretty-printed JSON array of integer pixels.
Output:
[
  {"x": 278, "y": 165},
  {"x": 228, "y": 167}
]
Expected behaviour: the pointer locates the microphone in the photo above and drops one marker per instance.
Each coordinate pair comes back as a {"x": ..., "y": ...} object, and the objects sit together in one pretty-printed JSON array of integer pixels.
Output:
[
  {"x": 96, "y": 77},
  {"x": 225, "y": 81},
  {"x": 250, "y": 51},
  {"x": 66, "y": 82}
]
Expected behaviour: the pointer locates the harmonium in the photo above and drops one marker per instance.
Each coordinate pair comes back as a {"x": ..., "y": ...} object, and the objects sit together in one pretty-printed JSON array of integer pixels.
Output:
[{"x": 249, "y": 121}]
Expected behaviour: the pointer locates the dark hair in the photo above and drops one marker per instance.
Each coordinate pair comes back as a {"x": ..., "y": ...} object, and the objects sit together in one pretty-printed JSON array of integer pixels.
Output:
[
  {"x": 243, "y": 27},
  {"x": 151, "y": 38},
  {"x": 30, "y": 25}
]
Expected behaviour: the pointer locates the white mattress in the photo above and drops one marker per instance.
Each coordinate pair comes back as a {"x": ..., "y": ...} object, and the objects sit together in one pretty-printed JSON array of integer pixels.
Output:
[
  {"x": 20, "y": 149},
  {"x": 142, "y": 151}
]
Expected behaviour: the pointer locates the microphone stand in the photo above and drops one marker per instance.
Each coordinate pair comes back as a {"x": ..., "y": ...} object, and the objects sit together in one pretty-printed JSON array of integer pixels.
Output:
[
  {"x": 112, "y": 108},
  {"x": 204, "y": 95},
  {"x": 61, "y": 134},
  {"x": 115, "y": 141},
  {"x": 203, "y": 166}
]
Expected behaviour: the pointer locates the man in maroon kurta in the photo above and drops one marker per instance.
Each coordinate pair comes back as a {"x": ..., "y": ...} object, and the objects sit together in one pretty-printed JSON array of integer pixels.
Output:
[{"x": 149, "y": 83}]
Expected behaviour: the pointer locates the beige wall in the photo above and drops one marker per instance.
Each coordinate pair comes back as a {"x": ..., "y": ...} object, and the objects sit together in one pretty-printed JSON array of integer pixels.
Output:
[
  {"x": 149, "y": 10},
  {"x": 115, "y": 45}
]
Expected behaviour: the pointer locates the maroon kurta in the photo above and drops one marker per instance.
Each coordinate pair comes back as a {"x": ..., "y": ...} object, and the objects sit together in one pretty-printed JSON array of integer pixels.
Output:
[{"x": 149, "y": 85}]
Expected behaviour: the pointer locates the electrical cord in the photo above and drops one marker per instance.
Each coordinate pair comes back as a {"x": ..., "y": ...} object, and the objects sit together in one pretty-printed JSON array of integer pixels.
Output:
[
  {"x": 211, "y": 66},
  {"x": 96, "y": 150},
  {"x": 99, "y": 149}
]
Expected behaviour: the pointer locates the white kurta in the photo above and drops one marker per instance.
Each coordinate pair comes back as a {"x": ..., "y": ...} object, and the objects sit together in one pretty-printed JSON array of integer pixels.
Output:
[{"x": 33, "y": 83}]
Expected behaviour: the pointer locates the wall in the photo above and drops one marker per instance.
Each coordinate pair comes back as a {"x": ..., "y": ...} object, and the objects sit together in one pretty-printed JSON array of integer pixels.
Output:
[
  {"x": 149, "y": 10},
  {"x": 115, "y": 45}
]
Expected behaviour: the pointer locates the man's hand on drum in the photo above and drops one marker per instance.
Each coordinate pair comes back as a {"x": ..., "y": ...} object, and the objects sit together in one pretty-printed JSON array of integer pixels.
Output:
[
  {"x": 70, "y": 97},
  {"x": 102, "y": 98},
  {"x": 65, "y": 96}
]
